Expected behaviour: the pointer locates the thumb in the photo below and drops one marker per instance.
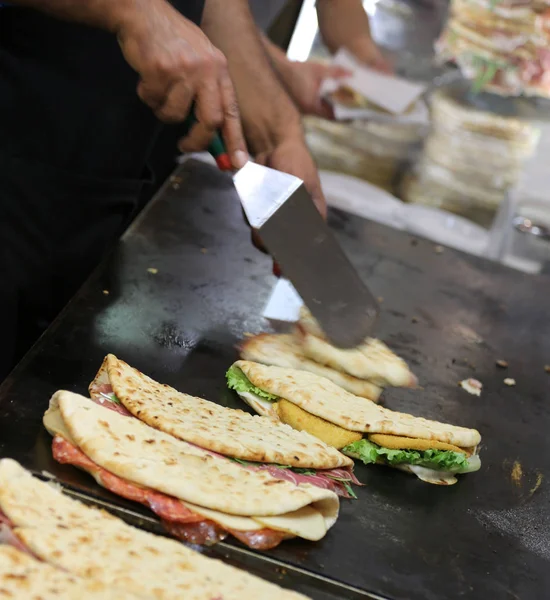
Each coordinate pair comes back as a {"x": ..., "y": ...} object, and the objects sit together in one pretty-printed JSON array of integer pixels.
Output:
[{"x": 337, "y": 72}]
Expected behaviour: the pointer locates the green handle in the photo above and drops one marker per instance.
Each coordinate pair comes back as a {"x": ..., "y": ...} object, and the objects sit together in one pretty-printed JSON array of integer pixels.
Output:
[{"x": 216, "y": 148}]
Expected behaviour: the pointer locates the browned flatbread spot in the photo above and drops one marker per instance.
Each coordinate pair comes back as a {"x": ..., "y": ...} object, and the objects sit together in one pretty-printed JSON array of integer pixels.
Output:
[{"x": 398, "y": 442}]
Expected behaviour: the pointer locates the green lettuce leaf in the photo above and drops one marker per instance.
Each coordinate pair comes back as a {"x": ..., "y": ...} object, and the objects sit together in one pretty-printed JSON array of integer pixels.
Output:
[
  {"x": 440, "y": 460},
  {"x": 114, "y": 399},
  {"x": 238, "y": 381},
  {"x": 111, "y": 398}
]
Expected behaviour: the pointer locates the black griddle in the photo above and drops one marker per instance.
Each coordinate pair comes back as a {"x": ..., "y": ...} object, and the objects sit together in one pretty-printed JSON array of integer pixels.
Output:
[{"x": 450, "y": 316}]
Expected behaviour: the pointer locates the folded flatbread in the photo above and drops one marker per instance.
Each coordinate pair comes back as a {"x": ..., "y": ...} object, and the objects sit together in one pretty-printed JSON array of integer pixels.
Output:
[
  {"x": 23, "y": 577},
  {"x": 255, "y": 442},
  {"x": 200, "y": 496},
  {"x": 89, "y": 543},
  {"x": 284, "y": 350},
  {"x": 372, "y": 361},
  {"x": 434, "y": 451}
]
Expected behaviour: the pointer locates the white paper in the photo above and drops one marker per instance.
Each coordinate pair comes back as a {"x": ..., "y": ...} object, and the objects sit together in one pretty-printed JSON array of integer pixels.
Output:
[
  {"x": 419, "y": 114},
  {"x": 391, "y": 93}
]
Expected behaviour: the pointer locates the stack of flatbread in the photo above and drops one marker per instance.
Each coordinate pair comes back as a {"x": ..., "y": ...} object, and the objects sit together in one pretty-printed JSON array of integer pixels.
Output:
[
  {"x": 61, "y": 549},
  {"x": 363, "y": 371},
  {"x": 434, "y": 452},
  {"x": 200, "y": 495},
  {"x": 502, "y": 46},
  {"x": 471, "y": 157}
]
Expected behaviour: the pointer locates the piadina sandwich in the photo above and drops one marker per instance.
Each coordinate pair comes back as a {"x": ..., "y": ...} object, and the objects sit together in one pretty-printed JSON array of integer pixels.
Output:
[
  {"x": 199, "y": 496},
  {"x": 434, "y": 452},
  {"x": 252, "y": 442},
  {"x": 371, "y": 361},
  {"x": 284, "y": 350},
  {"x": 23, "y": 577},
  {"x": 89, "y": 548}
]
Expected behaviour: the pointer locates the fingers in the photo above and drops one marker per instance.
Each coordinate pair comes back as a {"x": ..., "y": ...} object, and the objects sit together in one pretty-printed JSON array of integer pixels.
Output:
[
  {"x": 216, "y": 109},
  {"x": 209, "y": 113},
  {"x": 320, "y": 202},
  {"x": 232, "y": 131},
  {"x": 176, "y": 104},
  {"x": 257, "y": 241},
  {"x": 337, "y": 72},
  {"x": 323, "y": 109},
  {"x": 313, "y": 186}
]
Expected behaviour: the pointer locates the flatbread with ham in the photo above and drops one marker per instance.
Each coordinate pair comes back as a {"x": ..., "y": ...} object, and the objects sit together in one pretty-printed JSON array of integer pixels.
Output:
[
  {"x": 104, "y": 551},
  {"x": 256, "y": 442},
  {"x": 199, "y": 495}
]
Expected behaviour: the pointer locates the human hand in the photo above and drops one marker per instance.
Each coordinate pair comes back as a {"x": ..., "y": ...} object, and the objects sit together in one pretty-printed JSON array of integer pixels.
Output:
[
  {"x": 367, "y": 52},
  {"x": 178, "y": 65},
  {"x": 303, "y": 81}
]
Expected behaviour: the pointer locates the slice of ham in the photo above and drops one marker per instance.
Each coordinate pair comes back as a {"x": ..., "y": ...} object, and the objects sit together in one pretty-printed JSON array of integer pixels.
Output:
[
  {"x": 101, "y": 393},
  {"x": 262, "y": 539},
  {"x": 178, "y": 520},
  {"x": 329, "y": 480},
  {"x": 326, "y": 479},
  {"x": 202, "y": 533},
  {"x": 7, "y": 535},
  {"x": 166, "y": 507}
]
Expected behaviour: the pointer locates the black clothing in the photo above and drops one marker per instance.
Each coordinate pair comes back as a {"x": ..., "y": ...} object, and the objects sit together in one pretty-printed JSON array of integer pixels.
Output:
[{"x": 75, "y": 140}]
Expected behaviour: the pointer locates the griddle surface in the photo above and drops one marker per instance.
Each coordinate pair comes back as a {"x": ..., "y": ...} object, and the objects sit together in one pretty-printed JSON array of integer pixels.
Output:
[{"x": 448, "y": 315}]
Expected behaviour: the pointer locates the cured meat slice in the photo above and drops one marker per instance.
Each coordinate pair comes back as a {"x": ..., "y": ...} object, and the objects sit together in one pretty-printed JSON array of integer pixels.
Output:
[
  {"x": 333, "y": 479},
  {"x": 263, "y": 539},
  {"x": 329, "y": 479},
  {"x": 178, "y": 520},
  {"x": 202, "y": 533}
]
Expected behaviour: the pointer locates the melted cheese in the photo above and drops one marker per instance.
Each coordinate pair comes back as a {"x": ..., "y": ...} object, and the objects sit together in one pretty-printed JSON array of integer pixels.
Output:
[
  {"x": 430, "y": 475},
  {"x": 225, "y": 520},
  {"x": 260, "y": 405},
  {"x": 306, "y": 523}
]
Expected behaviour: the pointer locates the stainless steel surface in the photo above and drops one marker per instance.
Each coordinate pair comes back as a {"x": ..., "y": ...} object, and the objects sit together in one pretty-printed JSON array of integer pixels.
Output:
[
  {"x": 525, "y": 225},
  {"x": 280, "y": 209},
  {"x": 263, "y": 191}
]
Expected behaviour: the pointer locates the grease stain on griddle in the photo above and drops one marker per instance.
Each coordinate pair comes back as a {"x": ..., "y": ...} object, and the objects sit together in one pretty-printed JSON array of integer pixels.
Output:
[
  {"x": 525, "y": 523},
  {"x": 537, "y": 485},
  {"x": 169, "y": 336},
  {"x": 517, "y": 473}
]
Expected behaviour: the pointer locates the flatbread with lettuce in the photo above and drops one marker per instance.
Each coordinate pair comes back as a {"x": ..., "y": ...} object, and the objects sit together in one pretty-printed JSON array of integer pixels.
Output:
[{"x": 435, "y": 452}]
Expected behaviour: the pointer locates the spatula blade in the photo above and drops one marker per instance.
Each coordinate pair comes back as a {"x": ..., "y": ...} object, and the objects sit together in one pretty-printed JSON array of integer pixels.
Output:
[{"x": 279, "y": 207}]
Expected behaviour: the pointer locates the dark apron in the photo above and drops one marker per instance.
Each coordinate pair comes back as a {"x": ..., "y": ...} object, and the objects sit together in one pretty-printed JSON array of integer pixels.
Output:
[{"x": 74, "y": 145}]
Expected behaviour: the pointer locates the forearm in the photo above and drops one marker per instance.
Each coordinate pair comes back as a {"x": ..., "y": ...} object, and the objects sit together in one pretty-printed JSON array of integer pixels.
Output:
[
  {"x": 269, "y": 115},
  {"x": 277, "y": 55},
  {"x": 105, "y": 14},
  {"x": 342, "y": 23}
]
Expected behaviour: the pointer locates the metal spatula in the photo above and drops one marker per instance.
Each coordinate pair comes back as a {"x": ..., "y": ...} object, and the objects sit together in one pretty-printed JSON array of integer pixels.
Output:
[{"x": 280, "y": 209}]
